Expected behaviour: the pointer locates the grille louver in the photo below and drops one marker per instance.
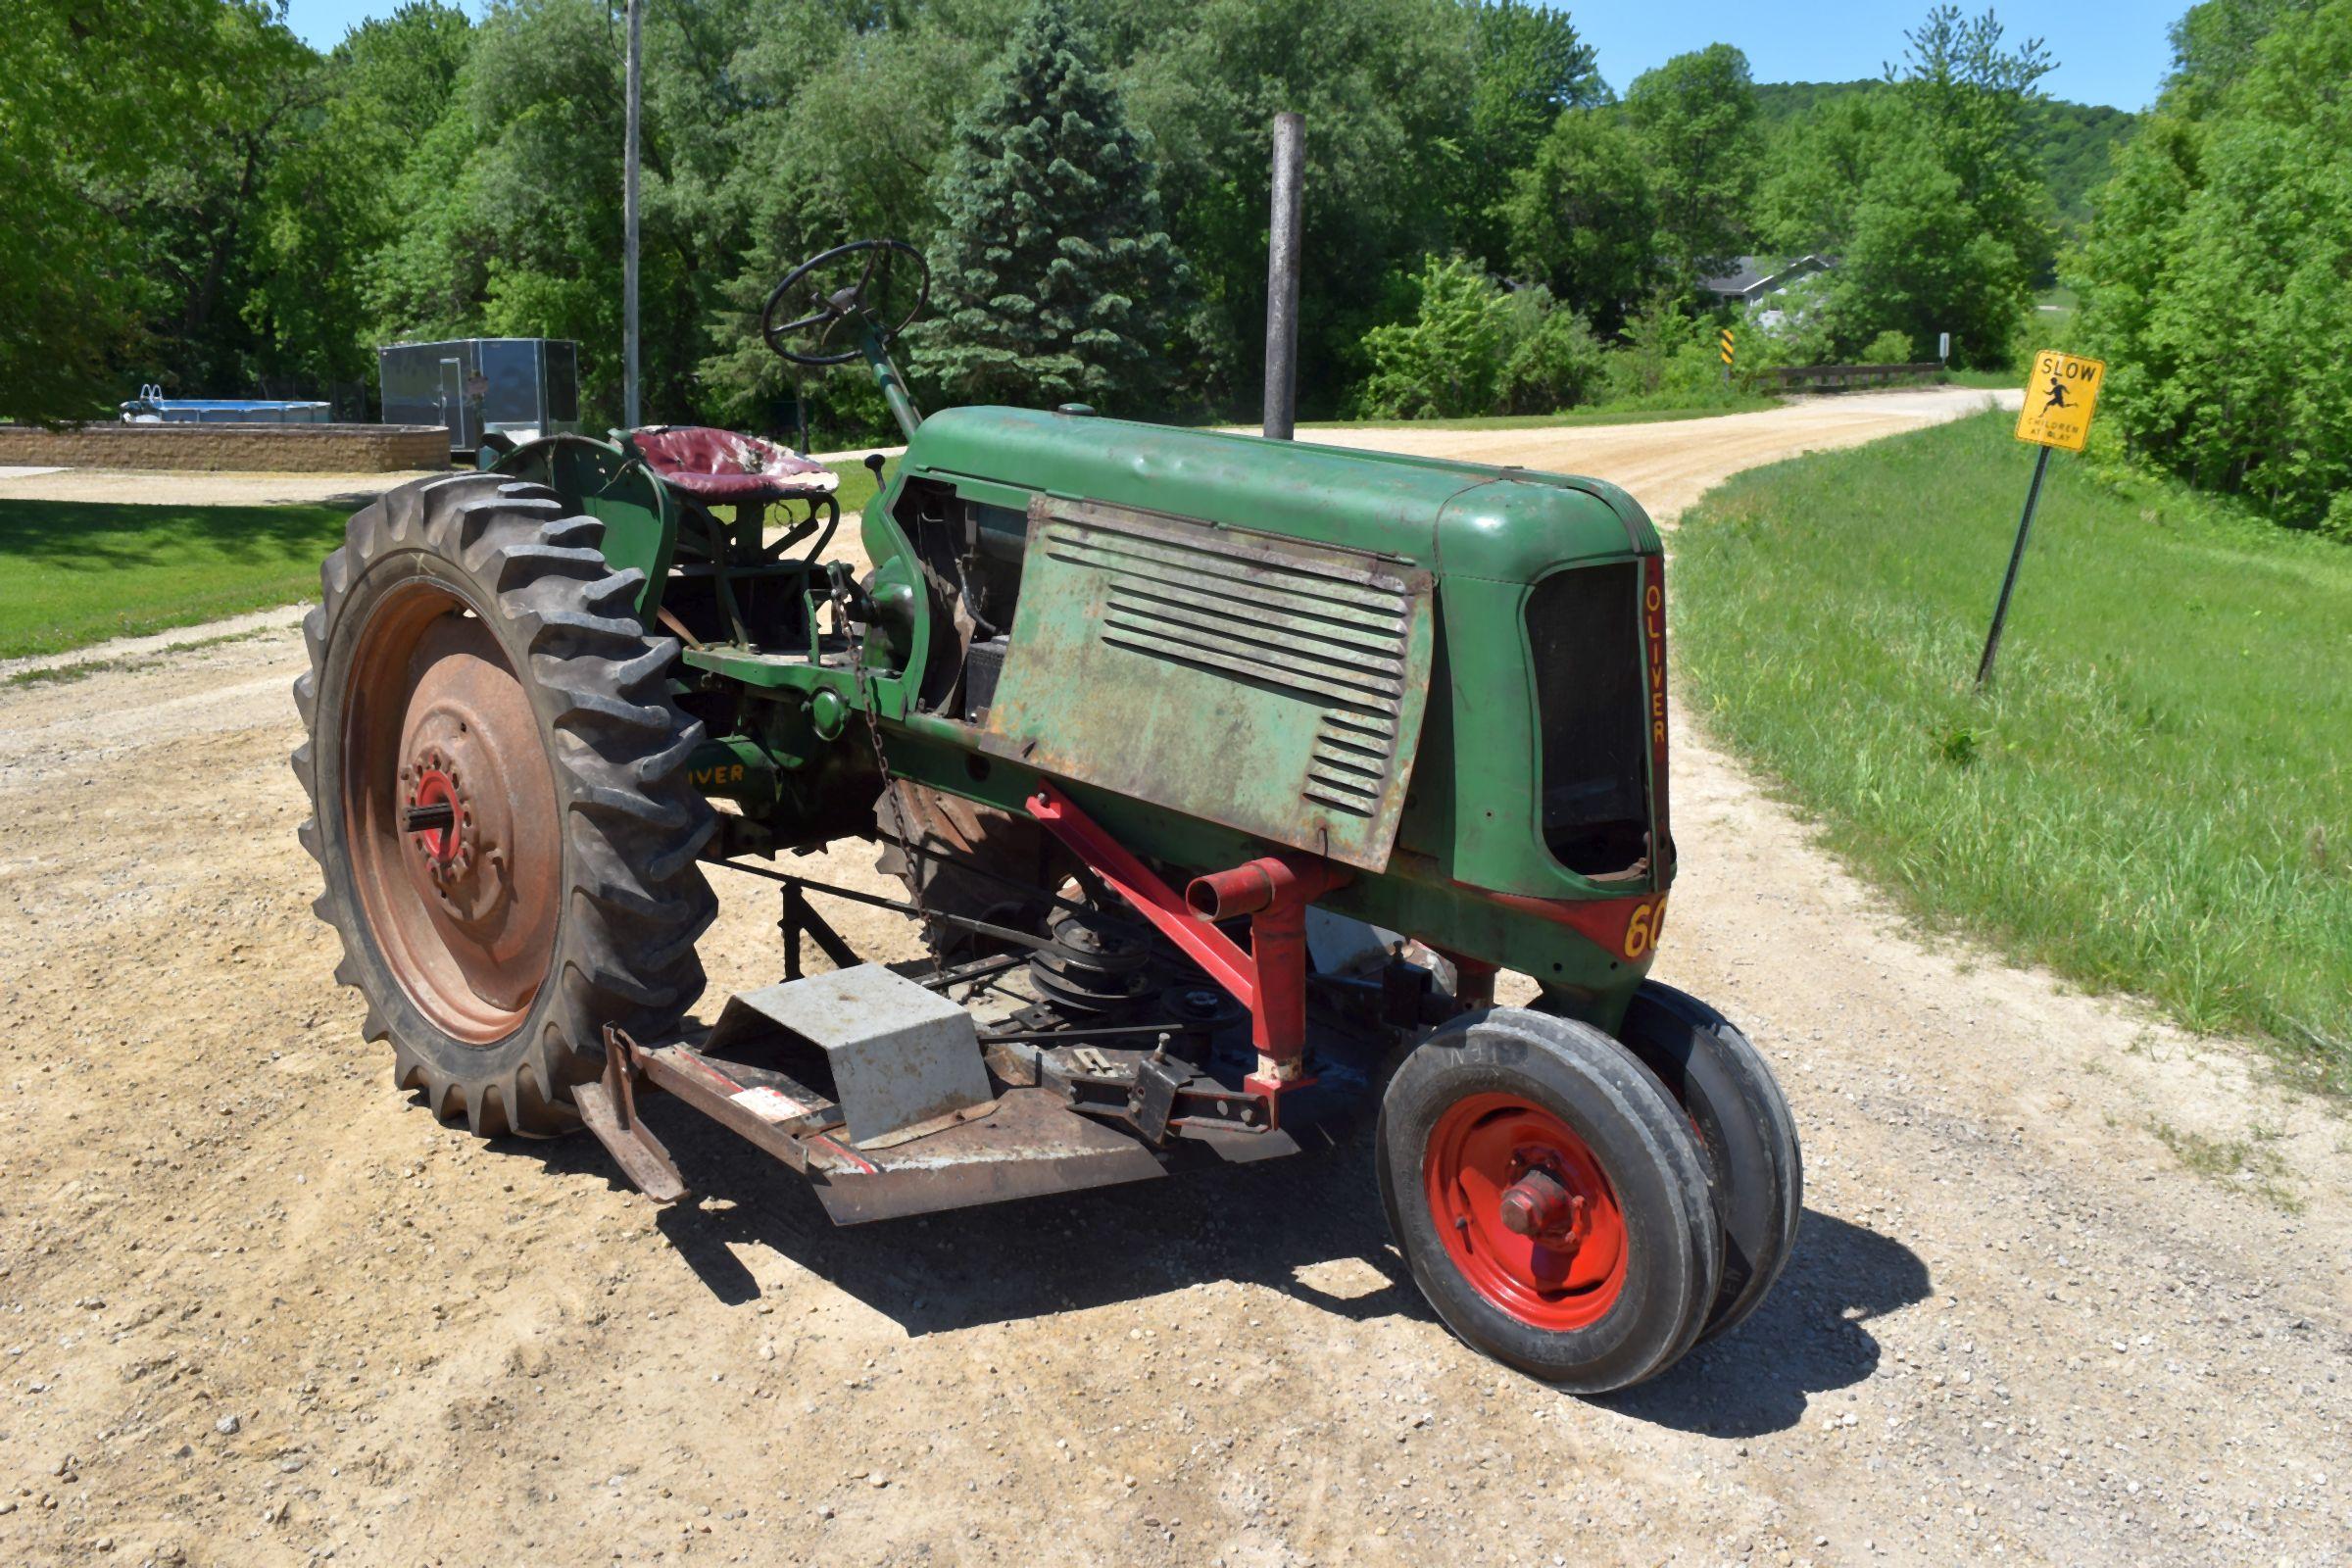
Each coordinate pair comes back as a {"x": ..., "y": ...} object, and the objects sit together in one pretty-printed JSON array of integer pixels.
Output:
[
  {"x": 1232, "y": 607},
  {"x": 1264, "y": 682}
]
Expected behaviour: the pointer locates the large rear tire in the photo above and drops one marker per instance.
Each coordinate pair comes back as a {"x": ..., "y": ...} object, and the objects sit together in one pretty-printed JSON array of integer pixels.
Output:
[
  {"x": 1548, "y": 1197},
  {"x": 499, "y": 803}
]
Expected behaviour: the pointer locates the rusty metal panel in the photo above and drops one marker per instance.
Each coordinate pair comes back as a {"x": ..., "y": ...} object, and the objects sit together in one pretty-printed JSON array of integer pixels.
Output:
[
  {"x": 1270, "y": 684},
  {"x": 1031, "y": 1145},
  {"x": 642, "y": 1157}
]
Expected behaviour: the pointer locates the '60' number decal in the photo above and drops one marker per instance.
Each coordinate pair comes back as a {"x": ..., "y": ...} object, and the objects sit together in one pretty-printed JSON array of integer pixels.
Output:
[{"x": 1641, "y": 932}]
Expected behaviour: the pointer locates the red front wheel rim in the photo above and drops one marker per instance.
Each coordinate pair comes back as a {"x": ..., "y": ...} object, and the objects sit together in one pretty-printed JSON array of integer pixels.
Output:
[{"x": 1525, "y": 1211}]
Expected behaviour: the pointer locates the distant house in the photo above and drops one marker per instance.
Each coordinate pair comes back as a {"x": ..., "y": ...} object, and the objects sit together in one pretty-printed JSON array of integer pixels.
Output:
[{"x": 1758, "y": 276}]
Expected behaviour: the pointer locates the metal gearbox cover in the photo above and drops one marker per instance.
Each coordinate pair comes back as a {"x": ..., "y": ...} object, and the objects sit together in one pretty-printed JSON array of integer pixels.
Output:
[{"x": 899, "y": 1056}]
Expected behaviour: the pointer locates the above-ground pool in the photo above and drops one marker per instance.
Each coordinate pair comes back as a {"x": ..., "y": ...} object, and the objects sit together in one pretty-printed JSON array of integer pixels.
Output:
[{"x": 151, "y": 406}]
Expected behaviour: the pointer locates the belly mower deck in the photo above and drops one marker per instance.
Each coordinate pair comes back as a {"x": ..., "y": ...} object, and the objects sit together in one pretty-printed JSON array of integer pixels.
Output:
[
  {"x": 1096, "y": 1115},
  {"x": 1127, "y": 1045}
]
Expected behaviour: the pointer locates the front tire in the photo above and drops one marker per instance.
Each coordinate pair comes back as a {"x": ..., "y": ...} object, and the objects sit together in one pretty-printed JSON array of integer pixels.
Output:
[
  {"x": 1549, "y": 1198},
  {"x": 478, "y": 667},
  {"x": 1743, "y": 1120}
]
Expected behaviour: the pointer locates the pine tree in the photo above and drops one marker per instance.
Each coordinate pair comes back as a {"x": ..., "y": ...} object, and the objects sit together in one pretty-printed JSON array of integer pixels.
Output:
[{"x": 1052, "y": 276}]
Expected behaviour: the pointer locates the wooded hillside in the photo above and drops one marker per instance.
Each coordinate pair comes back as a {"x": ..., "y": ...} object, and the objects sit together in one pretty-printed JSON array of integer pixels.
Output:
[{"x": 203, "y": 201}]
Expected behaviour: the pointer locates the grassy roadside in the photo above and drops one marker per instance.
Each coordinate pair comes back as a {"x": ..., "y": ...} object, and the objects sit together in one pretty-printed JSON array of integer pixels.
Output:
[
  {"x": 2156, "y": 798},
  {"x": 65, "y": 673},
  {"x": 1987, "y": 380},
  {"x": 78, "y": 572}
]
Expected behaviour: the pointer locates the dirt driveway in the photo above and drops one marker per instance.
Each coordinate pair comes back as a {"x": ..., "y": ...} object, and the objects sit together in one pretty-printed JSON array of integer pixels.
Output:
[
  {"x": 198, "y": 489},
  {"x": 1669, "y": 465},
  {"x": 258, "y": 1308}
]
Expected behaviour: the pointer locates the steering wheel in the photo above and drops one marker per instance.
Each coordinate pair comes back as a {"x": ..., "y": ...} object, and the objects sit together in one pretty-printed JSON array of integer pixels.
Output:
[{"x": 868, "y": 297}]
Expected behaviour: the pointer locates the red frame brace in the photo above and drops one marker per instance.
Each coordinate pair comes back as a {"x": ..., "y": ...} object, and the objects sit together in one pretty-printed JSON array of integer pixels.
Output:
[{"x": 1274, "y": 890}]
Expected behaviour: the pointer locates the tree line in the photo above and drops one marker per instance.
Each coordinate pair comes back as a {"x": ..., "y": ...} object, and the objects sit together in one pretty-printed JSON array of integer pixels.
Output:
[
  {"x": 2217, "y": 276},
  {"x": 219, "y": 208},
  {"x": 206, "y": 202}
]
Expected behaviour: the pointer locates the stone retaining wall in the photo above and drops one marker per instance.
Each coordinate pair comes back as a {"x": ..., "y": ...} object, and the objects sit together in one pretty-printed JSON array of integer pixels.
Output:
[{"x": 246, "y": 448}]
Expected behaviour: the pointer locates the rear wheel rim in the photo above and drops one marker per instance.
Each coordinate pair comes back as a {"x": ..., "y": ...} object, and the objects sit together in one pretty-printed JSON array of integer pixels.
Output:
[
  {"x": 465, "y": 915},
  {"x": 1494, "y": 1162}
]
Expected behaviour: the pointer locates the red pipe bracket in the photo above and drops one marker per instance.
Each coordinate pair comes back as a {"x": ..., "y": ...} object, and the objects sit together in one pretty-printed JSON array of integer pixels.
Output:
[
  {"x": 1206, "y": 946},
  {"x": 1274, "y": 890}
]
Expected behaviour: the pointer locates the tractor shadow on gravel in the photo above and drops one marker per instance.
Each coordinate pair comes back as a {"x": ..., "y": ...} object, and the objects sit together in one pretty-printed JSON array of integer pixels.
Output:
[
  {"x": 1002, "y": 1262},
  {"x": 1810, "y": 1338},
  {"x": 1032, "y": 1258}
]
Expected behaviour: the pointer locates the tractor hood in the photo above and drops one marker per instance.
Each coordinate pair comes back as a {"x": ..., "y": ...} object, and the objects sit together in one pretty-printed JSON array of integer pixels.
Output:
[{"x": 1458, "y": 519}]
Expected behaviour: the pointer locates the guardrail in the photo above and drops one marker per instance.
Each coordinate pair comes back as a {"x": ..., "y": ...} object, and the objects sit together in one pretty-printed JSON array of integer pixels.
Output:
[{"x": 1832, "y": 377}]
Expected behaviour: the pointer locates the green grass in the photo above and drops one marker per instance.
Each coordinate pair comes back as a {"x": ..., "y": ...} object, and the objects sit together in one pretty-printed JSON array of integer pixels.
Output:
[
  {"x": 2249, "y": 1162},
  {"x": 857, "y": 483},
  {"x": 2157, "y": 795},
  {"x": 77, "y": 572},
  {"x": 2056, "y": 306},
  {"x": 1987, "y": 380},
  {"x": 74, "y": 573}
]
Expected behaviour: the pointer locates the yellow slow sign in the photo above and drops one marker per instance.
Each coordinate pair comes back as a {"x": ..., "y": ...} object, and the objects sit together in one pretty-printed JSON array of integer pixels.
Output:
[{"x": 2059, "y": 395}]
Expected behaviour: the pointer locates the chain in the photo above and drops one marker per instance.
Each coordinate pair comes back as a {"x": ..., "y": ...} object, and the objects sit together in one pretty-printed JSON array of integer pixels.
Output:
[{"x": 838, "y": 594}]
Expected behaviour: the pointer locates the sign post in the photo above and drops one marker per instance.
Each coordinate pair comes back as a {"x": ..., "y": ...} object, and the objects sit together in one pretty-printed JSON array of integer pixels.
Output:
[
  {"x": 2060, "y": 395},
  {"x": 1726, "y": 343}
]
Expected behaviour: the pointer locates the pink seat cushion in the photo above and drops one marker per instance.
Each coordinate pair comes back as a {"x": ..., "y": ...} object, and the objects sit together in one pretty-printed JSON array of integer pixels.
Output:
[{"x": 723, "y": 466}]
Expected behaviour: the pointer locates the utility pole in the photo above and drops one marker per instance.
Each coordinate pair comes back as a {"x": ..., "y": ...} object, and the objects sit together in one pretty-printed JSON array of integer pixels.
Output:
[
  {"x": 629, "y": 410},
  {"x": 1281, "y": 418}
]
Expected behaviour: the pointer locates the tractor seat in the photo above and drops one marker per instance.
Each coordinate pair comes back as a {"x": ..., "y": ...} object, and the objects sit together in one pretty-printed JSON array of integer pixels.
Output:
[{"x": 721, "y": 466}]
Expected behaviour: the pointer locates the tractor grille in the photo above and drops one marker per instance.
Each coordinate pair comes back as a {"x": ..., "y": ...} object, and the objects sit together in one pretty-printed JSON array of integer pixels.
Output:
[
  {"x": 1239, "y": 610},
  {"x": 1585, "y": 629}
]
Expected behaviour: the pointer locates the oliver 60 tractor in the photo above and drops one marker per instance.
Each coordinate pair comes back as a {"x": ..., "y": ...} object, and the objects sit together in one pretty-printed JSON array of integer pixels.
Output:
[{"x": 1222, "y": 776}]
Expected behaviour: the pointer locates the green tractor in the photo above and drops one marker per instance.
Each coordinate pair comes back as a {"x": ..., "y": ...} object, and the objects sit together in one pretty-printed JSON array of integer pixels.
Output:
[{"x": 1220, "y": 776}]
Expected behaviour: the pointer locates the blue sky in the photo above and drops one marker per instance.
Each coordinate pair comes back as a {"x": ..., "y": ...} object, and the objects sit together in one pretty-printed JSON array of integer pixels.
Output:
[
  {"x": 2112, "y": 52},
  {"x": 2108, "y": 51}
]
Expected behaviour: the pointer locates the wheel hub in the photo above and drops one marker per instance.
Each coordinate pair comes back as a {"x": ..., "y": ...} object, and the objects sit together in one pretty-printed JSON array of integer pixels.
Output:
[
  {"x": 437, "y": 817},
  {"x": 1525, "y": 1211},
  {"x": 1541, "y": 1208}
]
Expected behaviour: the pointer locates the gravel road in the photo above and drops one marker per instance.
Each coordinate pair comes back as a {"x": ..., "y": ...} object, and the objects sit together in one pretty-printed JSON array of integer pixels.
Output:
[
  {"x": 206, "y": 489},
  {"x": 2072, "y": 1287}
]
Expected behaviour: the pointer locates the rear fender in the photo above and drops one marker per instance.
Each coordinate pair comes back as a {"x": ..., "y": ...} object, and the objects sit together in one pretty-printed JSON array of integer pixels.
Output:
[{"x": 639, "y": 513}]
